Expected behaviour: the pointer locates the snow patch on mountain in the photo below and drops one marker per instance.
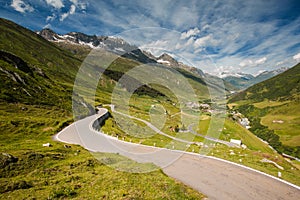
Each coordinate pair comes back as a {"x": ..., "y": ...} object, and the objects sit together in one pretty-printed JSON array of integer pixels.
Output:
[
  {"x": 120, "y": 49},
  {"x": 163, "y": 61},
  {"x": 235, "y": 74}
]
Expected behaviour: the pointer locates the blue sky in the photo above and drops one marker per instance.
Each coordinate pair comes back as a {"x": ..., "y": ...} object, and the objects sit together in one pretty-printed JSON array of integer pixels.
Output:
[{"x": 214, "y": 35}]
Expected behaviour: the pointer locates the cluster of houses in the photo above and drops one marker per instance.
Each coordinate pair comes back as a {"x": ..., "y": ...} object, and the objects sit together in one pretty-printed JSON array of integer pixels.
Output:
[
  {"x": 240, "y": 119},
  {"x": 204, "y": 107},
  {"x": 245, "y": 122}
]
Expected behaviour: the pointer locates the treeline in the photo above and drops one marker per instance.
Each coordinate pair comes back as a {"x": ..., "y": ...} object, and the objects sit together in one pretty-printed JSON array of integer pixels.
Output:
[{"x": 254, "y": 115}]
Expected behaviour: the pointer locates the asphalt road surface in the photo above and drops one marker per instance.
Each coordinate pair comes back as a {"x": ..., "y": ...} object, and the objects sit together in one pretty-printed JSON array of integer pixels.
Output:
[{"x": 216, "y": 178}]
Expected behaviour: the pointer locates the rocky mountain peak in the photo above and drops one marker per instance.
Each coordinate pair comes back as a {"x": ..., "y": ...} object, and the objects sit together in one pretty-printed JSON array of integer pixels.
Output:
[
  {"x": 168, "y": 60},
  {"x": 48, "y": 34},
  {"x": 78, "y": 37}
]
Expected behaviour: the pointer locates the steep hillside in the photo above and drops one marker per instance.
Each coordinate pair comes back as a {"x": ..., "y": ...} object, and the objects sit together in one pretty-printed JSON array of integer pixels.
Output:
[
  {"x": 285, "y": 86},
  {"x": 34, "y": 71},
  {"x": 273, "y": 109}
]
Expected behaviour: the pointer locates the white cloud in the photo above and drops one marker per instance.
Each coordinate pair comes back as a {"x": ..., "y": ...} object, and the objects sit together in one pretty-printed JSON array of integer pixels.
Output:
[
  {"x": 79, "y": 4},
  {"x": 297, "y": 57},
  {"x": 47, "y": 26},
  {"x": 183, "y": 16},
  {"x": 50, "y": 18},
  {"x": 246, "y": 62},
  {"x": 72, "y": 9},
  {"x": 71, "y": 12},
  {"x": 260, "y": 61},
  {"x": 252, "y": 63},
  {"x": 206, "y": 26},
  {"x": 223, "y": 71},
  {"x": 82, "y": 6},
  {"x": 181, "y": 46},
  {"x": 74, "y": 2},
  {"x": 259, "y": 72},
  {"x": 189, "y": 33},
  {"x": 58, "y": 4},
  {"x": 202, "y": 41},
  {"x": 63, "y": 16},
  {"x": 21, "y": 6},
  {"x": 279, "y": 63}
]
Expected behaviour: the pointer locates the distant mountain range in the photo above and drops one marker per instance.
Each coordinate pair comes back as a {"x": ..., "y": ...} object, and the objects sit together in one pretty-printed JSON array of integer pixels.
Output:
[
  {"x": 237, "y": 81},
  {"x": 242, "y": 81},
  {"x": 117, "y": 46},
  {"x": 111, "y": 44},
  {"x": 284, "y": 86}
]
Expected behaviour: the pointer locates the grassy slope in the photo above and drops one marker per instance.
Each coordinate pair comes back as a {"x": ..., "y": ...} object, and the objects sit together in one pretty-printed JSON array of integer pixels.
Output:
[
  {"x": 52, "y": 69},
  {"x": 276, "y": 99},
  {"x": 289, "y": 129},
  {"x": 26, "y": 122}
]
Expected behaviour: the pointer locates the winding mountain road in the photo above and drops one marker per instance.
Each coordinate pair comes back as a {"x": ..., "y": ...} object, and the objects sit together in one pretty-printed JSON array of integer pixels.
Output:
[
  {"x": 216, "y": 178},
  {"x": 190, "y": 128},
  {"x": 151, "y": 126}
]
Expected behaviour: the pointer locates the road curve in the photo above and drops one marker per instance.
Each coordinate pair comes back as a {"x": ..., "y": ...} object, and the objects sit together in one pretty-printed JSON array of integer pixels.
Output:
[
  {"x": 151, "y": 126},
  {"x": 216, "y": 178},
  {"x": 190, "y": 128}
]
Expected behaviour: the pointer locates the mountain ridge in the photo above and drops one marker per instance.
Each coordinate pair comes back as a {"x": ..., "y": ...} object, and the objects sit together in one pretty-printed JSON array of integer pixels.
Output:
[
  {"x": 117, "y": 46},
  {"x": 280, "y": 87},
  {"x": 242, "y": 80}
]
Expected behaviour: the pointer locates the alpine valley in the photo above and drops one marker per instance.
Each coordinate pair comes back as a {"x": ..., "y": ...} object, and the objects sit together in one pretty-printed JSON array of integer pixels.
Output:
[{"x": 37, "y": 100}]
